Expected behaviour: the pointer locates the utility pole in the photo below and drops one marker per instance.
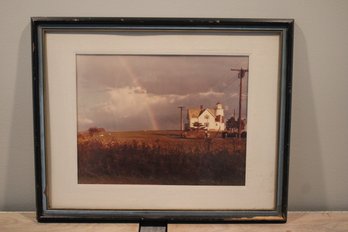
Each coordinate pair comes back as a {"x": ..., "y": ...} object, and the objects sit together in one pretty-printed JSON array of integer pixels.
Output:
[
  {"x": 241, "y": 75},
  {"x": 181, "y": 119}
]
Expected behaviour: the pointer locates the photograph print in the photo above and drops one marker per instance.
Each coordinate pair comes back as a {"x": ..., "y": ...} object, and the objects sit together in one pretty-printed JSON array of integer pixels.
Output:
[{"x": 162, "y": 119}]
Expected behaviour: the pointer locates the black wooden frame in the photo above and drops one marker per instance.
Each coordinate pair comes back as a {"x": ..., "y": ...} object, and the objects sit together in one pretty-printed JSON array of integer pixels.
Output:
[{"x": 284, "y": 27}]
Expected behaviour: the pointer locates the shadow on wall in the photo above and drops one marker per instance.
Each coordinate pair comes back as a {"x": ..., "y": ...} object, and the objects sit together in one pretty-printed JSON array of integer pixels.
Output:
[
  {"x": 307, "y": 190},
  {"x": 19, "y": 179}
]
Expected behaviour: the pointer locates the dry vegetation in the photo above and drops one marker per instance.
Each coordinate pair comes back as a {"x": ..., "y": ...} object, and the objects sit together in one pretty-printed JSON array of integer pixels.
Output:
[{"x": 159, "y": 157}]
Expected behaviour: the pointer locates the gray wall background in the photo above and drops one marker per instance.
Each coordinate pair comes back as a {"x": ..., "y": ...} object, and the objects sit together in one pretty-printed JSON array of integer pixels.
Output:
[{"x": 319, "y": 158}]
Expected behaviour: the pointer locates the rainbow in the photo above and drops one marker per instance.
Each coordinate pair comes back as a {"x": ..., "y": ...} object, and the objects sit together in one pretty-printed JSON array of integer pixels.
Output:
[{"x": 135, "y": 80}]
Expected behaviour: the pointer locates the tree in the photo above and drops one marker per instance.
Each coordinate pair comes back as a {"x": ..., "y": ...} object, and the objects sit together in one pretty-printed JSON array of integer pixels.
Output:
[
  {"x": 95, "y": 130},
  {"x": 231, "y": 123},
  {"x": 198, "y": 125}
]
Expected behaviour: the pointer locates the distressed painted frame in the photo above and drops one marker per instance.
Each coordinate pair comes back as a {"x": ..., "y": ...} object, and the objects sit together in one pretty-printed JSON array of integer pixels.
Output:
[{"x": 285, "y": 27}]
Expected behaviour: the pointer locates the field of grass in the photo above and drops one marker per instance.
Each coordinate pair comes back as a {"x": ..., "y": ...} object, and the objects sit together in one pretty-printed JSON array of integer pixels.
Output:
[{"x": 159, "y": 157}]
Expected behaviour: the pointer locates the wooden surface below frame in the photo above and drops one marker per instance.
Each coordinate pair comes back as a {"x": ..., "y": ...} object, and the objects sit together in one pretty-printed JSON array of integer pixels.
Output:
[{"x": 297, "y": 221}]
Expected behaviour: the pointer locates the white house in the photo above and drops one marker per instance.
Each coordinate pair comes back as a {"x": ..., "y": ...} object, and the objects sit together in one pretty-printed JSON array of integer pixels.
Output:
[{"x": 210, "y": 119}]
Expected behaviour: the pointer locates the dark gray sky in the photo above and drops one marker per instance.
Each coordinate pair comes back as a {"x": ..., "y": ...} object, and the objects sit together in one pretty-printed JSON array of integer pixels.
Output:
[{"x": 143, "y": 92}]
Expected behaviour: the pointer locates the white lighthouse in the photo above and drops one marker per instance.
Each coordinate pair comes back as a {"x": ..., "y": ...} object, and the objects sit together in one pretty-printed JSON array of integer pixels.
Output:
[
  {"x": 219, "y": 110},
  {"x": 219, "y": 116}
]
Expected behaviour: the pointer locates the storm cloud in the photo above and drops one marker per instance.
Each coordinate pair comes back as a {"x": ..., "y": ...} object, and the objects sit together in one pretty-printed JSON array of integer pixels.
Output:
[{"x": 143, "y": 92}]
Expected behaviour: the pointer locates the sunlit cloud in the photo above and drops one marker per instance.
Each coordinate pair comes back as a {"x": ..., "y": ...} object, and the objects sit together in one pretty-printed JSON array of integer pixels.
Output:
[
  {"x": 130, "y": 101},
  {"x": 212, "y": 93}
]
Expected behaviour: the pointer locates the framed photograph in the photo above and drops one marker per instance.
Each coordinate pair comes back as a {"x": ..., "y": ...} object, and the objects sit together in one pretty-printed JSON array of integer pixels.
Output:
[{"x": 161, "y": 120}]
